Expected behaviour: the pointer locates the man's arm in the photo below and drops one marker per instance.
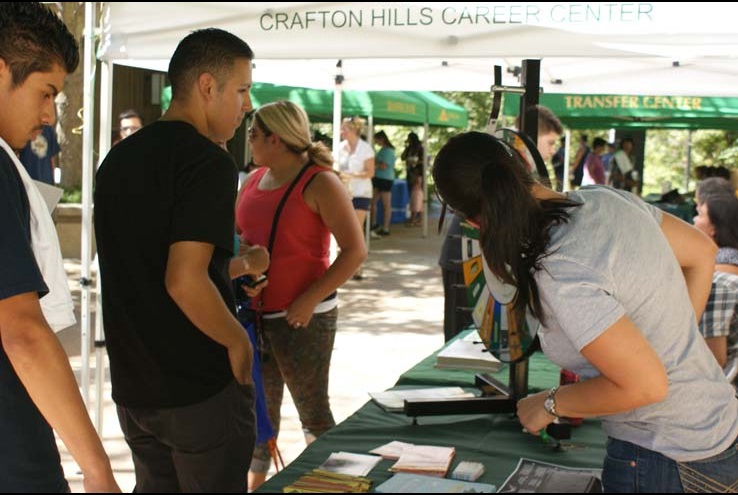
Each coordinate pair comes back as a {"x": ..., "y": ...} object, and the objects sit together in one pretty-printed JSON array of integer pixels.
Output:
[
  {"x": 189, "y": 285},
  {"x": 42, "y": 366}
]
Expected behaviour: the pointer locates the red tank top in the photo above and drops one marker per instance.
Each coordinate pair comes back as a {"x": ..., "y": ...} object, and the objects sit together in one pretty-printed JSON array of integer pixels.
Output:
[{"x": 301, "y": 242}]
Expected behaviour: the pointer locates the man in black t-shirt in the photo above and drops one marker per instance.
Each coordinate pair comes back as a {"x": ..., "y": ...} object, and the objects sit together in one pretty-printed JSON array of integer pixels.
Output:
[
  {"x": 38, "y": 390},
  {"x": 164, "y": 222}
]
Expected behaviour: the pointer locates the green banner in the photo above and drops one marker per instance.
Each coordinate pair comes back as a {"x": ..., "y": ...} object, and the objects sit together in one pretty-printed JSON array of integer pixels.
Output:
[{"x": 636, "y": 111}]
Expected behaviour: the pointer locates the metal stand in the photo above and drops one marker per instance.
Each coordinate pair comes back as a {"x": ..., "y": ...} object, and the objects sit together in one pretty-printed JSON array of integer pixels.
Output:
[{"x": 497, "y": 397}]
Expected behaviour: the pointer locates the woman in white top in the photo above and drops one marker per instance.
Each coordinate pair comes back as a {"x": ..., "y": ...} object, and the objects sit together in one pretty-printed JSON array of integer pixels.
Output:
[{"x": 356, "y": 167}]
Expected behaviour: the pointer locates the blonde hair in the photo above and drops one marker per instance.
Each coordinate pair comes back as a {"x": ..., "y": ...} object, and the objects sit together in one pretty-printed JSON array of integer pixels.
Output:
[
  {"x": 355, "y": 123},
  {"x": 290, "y": 122}
]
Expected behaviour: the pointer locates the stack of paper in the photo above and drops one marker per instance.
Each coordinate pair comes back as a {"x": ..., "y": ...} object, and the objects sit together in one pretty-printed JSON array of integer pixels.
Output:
[
  {"x": 467, "y": 354},
  {"x": 391, "y": 450},
  {"x": 394, "y": 400},
  {"x": 414, "y": 483},
  {"x": 349, "y": 464},
  {"x": 425, "y": 459}
]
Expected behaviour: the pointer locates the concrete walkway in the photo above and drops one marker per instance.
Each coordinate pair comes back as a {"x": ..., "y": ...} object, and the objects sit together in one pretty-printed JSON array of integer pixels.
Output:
[{"x": 387, "y": 323}]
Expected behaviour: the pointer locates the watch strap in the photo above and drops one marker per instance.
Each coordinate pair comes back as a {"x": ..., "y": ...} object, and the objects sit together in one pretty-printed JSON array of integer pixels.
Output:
[{"x": 550, "y": 403}]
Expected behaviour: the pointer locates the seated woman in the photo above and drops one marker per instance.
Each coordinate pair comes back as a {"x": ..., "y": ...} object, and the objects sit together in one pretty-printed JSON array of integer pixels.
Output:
[{"x": 717, "y": 216}]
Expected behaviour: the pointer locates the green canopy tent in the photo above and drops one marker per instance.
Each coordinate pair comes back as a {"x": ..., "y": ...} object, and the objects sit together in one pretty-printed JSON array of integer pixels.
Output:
[
  {"x": 385, "y": 107},
  {"x": 636, "y": 112},
  {"x": 602, "y": 111}
]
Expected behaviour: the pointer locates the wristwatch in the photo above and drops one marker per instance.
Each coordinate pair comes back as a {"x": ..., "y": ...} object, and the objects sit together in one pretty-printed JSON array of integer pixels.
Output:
[{"x": 550, "y": 403}]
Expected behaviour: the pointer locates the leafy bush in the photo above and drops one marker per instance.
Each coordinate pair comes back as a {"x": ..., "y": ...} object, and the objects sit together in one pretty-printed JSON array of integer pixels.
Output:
[{"x": 71, "y": 196}]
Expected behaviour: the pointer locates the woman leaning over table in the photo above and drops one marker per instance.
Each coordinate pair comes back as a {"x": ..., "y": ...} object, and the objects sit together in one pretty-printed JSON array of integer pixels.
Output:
[
  {"x": 299, "y": 301},
  {"x": 618, "y": 286}
]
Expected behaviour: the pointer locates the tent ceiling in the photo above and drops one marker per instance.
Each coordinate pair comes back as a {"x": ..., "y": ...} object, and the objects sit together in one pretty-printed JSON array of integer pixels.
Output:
[{"x": 617, "y": 48}]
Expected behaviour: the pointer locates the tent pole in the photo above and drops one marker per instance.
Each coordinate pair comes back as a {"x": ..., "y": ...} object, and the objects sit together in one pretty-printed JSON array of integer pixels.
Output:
[
  {"x": 106, "y": 111},
  {"x": 567, "y": 156},
  {"x": 368, "y": 219},
  {"x": 688, "y": 168},
  {"x": 87, "y": 169},
  {"x": 333, "y": 250}
]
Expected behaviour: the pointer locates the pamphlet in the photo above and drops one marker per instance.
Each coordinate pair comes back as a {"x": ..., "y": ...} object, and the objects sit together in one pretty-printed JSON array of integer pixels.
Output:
[
  {"x": 430, "y": 460},
  {"x": 391, "y": 450},
  {"x": 543, "y": 477},
  {"x": 394, "y": 400},
  {"x": 468, "y": 354},
  {"x": 349, "y": 463},
  {"x": 51, "y": 194},
  {"x": 418, "y": 483}
]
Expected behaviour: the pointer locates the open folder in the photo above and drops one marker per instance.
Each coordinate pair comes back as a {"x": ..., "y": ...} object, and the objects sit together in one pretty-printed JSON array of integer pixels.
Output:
[{"x": 51, "y": 194}]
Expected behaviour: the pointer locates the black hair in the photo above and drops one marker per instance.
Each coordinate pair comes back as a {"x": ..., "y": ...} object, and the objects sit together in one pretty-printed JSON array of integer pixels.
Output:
[
  {"x": 130, "y": 114},
  {"x": 722, "y": 209},
  {"x": 714, "y": 186},
  {"x": 483, "y": 178},
  {"x": 34, "y": 39},
  {"x": 206, "y": 50},
  {"x": 598, "y": 141},
  {"x": 383, "y": 136}
]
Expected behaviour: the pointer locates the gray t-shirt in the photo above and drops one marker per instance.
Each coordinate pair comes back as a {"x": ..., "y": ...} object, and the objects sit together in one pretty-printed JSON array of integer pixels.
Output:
[{"x": 612, "y": 260}]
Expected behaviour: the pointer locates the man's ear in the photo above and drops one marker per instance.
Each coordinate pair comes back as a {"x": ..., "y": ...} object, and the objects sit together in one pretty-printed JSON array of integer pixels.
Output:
[{"x": 206, "y": 85}]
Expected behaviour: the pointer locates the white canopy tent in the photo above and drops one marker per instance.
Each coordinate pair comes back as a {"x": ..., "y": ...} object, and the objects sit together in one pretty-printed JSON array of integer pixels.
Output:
[
  {"x": 615, "y": 48},
  {"x": 658, "y": 48}
]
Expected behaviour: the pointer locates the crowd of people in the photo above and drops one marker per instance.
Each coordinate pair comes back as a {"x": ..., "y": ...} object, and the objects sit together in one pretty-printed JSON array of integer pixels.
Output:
[{"x": 171, "y": 245}]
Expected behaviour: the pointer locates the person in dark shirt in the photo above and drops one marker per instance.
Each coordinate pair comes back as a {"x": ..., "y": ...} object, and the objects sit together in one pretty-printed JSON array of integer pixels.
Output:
[
  {"x": 164, "y": 221},
  {"x": 40, "y": 155},
  {"x": 38, "y": 390}
]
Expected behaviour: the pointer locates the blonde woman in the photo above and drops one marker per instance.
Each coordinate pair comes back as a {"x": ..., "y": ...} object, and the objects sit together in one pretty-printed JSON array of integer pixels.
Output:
[
  {"x": 298, "y": 300},
  {"x": 356, "y": 166}
]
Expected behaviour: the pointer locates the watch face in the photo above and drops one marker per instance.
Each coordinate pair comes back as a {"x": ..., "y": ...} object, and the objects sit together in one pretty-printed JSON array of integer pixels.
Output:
[{"x": 548, "y": 405}]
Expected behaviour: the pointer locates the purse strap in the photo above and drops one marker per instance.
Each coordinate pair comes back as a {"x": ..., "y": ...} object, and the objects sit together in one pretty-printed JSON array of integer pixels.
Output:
[{"x": 280, "y": 206}]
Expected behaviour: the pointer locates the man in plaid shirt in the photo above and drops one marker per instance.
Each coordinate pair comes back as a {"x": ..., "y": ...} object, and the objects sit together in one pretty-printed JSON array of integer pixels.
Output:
[{"x": 719, "y": 324}]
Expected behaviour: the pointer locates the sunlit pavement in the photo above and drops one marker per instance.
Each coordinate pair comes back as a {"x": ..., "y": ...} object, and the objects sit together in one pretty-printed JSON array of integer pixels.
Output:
[{"x": 387, "y": 323}]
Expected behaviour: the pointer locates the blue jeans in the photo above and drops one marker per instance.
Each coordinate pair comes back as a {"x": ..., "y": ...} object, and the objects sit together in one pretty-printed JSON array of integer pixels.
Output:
[{"x": 629, "y": 468}]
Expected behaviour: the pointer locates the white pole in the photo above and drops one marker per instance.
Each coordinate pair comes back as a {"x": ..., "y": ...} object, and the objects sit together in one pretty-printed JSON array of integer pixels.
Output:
[
  {"x": 87, "y": 170},
  {"x": 333, "y": 250},
  {"x": 567, "y": 155},
  {"x": 106, "y": 110},
  {"x": 368, "y": 219},
  {"x": 688, "y": 168}
]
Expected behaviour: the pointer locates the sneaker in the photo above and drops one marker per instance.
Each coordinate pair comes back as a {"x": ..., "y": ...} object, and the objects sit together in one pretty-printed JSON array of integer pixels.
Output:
[
  {"x": 383, "y": 232},
  {"x": 375, "y": 234},
  {"x": 375, "y": 227}
]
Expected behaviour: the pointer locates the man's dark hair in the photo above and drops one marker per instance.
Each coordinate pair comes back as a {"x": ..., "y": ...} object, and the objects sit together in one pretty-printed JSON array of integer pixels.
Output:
[
  {"x": 34, "y": 39},
  {"x": 598, "y": 142},
  {"x": 206, "y": 50},
  {"x": 129, "y": 114}
]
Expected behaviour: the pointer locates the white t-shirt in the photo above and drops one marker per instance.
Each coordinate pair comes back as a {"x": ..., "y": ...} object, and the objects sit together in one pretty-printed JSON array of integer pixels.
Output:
[
  {"x": 611, "y": 259},
  {"x": 623, "y": 160},
  {"x": 354, "y": 163}
]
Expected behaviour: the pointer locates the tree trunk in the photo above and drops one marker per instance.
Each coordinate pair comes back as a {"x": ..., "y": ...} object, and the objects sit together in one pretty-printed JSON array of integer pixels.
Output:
[{"x": 69, "y": 102}]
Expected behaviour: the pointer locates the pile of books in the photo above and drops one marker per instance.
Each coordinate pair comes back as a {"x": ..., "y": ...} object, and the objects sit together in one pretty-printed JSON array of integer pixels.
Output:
[
  {"x": 317, "y": 481},
  {"x": 429, "y": 460},
  {"x": 342, "y": 472}
]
